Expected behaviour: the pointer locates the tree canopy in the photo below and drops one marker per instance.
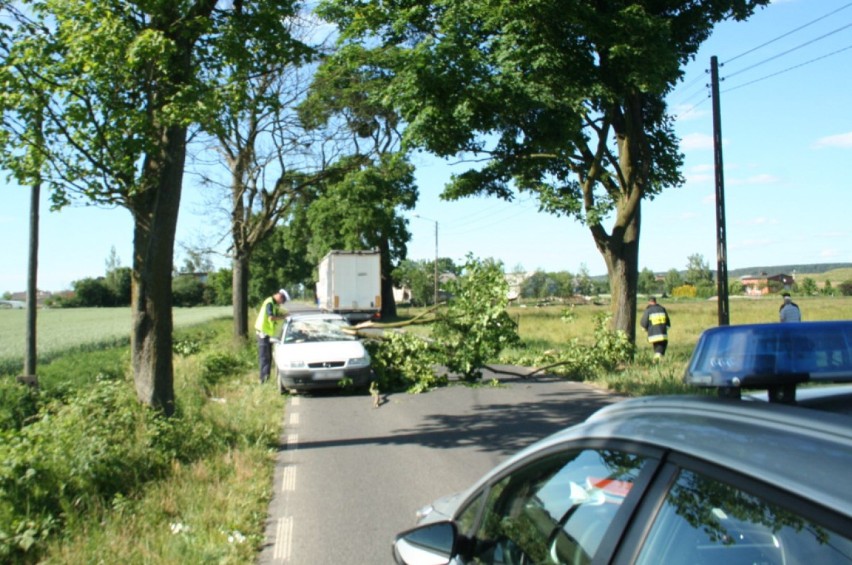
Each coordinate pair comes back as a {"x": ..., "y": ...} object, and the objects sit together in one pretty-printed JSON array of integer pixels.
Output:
[
  {"x": 562, "y": 99},
  {"x": 102, "y": 95}
]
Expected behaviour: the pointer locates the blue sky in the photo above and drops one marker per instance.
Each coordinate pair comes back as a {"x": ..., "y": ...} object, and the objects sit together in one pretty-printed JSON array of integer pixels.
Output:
[{"x": 787, "y": 151}]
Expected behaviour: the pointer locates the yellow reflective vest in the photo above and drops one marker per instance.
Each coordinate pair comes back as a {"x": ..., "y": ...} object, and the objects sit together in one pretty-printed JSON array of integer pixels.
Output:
[{"x": 264, "y": 324}]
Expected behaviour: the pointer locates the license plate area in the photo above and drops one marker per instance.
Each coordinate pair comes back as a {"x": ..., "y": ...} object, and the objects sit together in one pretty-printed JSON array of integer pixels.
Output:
[{"x": 329, "y": 375}]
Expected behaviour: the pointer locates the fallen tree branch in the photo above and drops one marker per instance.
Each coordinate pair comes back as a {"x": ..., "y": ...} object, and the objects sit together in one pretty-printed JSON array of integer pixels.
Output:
[{"x": 525, "y": 375}]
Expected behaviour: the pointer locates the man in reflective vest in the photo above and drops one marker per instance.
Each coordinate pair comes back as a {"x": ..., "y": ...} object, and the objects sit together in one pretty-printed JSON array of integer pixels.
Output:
[
  {"x": 268, "y": 326},
  {"x": 656, "y": 322}
]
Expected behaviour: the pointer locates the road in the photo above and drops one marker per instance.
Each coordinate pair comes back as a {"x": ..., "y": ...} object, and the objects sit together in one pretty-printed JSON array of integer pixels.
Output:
[{"x": 350, "y": 476}]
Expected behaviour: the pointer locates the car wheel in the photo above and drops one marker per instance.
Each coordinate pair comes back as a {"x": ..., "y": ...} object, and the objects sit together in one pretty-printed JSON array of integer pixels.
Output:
[{"x": 281, "y": 388}]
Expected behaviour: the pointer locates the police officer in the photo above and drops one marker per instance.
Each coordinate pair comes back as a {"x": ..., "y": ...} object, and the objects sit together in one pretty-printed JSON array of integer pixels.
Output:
[
  {"x": 268, "y": 326},
  {"x": 655, "y": 321}
]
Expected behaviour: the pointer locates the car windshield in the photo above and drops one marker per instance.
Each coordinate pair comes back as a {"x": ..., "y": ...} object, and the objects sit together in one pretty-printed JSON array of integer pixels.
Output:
[{"x": 317, "y": 329}]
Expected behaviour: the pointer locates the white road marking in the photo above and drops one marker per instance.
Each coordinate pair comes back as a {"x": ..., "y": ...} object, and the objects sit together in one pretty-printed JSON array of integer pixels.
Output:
[
  {"x": 294, "y": 400},
  {"x": 292, "y": 441},
  {"x": 294, "y": 418},
  {"x": 288, "y": 479},
  {"x": 283, "y": 539}
]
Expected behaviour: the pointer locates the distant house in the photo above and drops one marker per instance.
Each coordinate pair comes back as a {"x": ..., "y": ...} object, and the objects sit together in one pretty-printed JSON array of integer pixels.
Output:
[
  {"x": 41, "y": 297},
  {"x": 759, "y": 285},
  {"x": 515, "y": 281}
]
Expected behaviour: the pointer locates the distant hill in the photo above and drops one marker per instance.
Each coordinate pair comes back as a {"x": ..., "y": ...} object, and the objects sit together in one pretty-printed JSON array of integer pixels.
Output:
[
  {"x": 798, "y": 270},
  {"x": 836, "y": 272}
]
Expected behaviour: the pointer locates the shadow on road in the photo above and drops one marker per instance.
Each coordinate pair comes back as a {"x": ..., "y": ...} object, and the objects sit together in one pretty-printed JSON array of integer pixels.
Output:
[{"x": 486, "y": 423}]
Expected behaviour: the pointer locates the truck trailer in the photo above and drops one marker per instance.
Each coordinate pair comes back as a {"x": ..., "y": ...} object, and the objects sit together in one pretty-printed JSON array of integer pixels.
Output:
[{"x": 350, "y": 284}]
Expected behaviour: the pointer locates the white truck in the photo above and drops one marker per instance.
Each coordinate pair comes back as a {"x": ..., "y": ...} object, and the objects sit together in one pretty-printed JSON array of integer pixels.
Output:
[{"x": 350, "y": 284}]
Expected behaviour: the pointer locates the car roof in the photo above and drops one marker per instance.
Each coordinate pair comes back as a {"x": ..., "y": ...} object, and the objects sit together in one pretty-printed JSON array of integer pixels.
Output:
[{"x": 757, "y": 439}]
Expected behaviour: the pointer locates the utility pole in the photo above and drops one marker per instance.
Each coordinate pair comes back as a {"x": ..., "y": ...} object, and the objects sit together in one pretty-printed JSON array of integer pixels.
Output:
[
  {"x": 32, "y": 267},
  {"x": 436, "y": 253},
  {"x": 721, "y": 240}
]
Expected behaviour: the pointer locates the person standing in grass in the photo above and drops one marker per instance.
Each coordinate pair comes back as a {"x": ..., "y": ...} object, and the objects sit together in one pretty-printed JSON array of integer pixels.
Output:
[
  {"x": 655, "y": 321},
  {"x": 789, "y": 310},
  {"x": 268, "y": 326}
]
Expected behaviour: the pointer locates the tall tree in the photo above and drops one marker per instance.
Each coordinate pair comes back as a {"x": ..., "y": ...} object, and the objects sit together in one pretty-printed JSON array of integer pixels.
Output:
[
  {"x": 271, "y": 158},
  {"x": 564, "y": 99},
  {"x": 120, "y": 84},
  {"x": 361, "y": 211}
]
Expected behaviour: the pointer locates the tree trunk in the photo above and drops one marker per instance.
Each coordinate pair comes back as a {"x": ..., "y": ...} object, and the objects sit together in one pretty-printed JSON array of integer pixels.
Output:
[
  {"x": 388, "y": 303},
  {"x": 620, "y": 250},
  {"x": 239, "y": 294},
  {"x": 155, "y": 216}
]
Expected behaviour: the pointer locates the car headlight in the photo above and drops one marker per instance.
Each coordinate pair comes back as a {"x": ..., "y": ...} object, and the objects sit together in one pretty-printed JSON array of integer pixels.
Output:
[{"x": 359, "y": 362}]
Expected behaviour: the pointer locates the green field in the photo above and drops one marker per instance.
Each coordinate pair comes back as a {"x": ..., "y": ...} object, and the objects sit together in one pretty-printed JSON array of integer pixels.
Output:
[
  {"x": 69, "y": 329},
  {"x": 547, "y": 327}
]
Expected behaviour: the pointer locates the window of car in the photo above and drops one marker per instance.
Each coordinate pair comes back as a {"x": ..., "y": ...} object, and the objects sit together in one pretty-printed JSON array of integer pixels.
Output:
[
  {"x": 707, "y": 521},
  {"x": 554, "y": 510},
  {"x": 315, "y": 330}
]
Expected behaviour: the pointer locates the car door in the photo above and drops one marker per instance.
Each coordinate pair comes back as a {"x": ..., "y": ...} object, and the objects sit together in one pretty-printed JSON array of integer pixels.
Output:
[{"x": 698, "y": 513}]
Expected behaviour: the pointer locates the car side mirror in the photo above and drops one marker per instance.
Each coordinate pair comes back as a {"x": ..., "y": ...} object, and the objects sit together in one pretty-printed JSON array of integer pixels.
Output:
[{"x": 432, "y": 544}]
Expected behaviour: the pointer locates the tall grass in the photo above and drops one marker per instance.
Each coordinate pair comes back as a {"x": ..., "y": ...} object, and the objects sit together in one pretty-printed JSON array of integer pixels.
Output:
[
  {"x": 202, "y": 493},
  {"x": 64, "y": 330},
  {"x": 552, "y": 328}
]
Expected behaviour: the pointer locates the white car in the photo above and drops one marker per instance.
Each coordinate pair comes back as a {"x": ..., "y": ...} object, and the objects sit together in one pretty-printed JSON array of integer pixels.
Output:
[{"x": 316, "y": 352}]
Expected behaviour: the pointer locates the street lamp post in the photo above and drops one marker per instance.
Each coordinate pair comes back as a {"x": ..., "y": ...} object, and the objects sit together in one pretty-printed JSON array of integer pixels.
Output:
[{"x": 436, "y": 253}]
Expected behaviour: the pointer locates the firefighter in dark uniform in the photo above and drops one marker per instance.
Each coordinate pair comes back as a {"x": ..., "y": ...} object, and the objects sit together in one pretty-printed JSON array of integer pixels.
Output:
[{"x": 655, "y": 321}]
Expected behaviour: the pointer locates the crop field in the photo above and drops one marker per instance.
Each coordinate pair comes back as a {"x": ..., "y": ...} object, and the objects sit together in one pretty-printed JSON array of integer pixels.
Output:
[{"x": 67, "y": 329}]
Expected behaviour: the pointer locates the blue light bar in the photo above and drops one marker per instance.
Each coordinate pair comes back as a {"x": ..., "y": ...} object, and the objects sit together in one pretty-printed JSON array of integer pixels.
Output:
[{"x": 768, "y": 355}]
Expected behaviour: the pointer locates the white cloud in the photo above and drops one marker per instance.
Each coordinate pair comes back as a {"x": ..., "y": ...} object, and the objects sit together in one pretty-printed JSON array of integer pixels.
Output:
[
  {"x": 693, "y": 178},
  {"x": 688, "y": 112},
  {"x": 828, "y": 253},
  {"x": 708, "y": 168},
  {"x": 760, "y": 179},
  {"x": 843, "y": 141},
  {"x": 761, "y": 221},
  {"x": 692, "y": 141},
  {"x": 835, "y": 234},
  {"x": 751, "y": 243}
]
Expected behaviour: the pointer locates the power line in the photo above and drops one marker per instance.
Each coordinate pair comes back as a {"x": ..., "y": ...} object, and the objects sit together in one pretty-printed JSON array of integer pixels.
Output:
[
  {"x": 752, "y": 50},
  {"x": 789, "y": 68},
  {"x": 692, "y": 108},
  {"x": 788, "y": 51}
]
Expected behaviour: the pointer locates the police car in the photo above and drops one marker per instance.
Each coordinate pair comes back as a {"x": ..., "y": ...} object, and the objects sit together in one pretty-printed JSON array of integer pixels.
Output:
[{"x": 677, "y": 479}]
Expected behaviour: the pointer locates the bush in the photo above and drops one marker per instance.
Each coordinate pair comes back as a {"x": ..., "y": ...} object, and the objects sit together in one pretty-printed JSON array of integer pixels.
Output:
[
  {"x": 217, "y": 366},
  {"x": 404, "y": 361},
  {"x": 18, "y": 403},
  {"x": 187, "y": 290},
  {"x": 475, "y": 327},
  {"x": 685, "y": 291}
]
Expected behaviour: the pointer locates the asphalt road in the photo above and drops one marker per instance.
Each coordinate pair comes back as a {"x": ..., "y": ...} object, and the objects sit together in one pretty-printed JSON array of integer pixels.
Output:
[{"x": 350, "y": 476}]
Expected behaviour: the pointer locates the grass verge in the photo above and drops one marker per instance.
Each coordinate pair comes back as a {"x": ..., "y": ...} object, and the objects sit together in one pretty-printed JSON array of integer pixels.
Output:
[{"x": 112, "y": 483}]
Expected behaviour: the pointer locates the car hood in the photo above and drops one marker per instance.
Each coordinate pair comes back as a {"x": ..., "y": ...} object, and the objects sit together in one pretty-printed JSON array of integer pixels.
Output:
[{"x": 311, "y": 352}]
